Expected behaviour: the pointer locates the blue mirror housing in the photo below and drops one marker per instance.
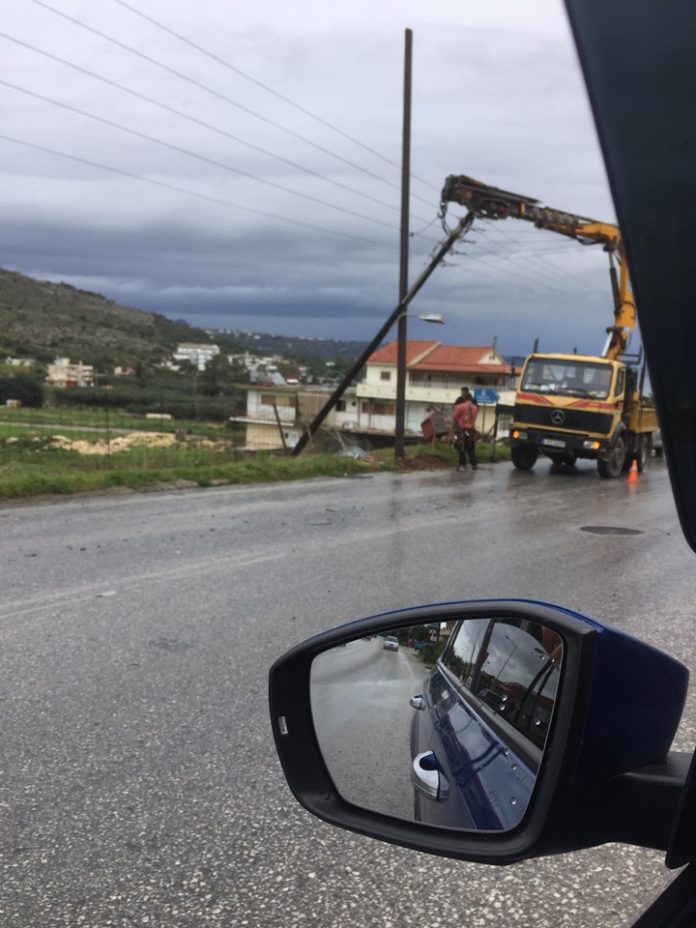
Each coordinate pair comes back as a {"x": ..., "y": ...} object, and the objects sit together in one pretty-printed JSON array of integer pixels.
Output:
[
  {"x": 617, "y": 708},
  {"x": 635, "y": 703}
]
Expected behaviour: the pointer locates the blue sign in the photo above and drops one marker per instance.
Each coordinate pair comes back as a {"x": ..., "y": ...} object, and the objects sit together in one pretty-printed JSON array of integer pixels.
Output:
[{"x": 486, "y": 396}]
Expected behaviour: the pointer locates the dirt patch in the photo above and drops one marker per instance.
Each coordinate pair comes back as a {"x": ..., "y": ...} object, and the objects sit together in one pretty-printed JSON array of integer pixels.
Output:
[
  {"x": 120, "y": 443},
  {"x": 149, "y": 440},
  {"x": 426, "y": 462}
]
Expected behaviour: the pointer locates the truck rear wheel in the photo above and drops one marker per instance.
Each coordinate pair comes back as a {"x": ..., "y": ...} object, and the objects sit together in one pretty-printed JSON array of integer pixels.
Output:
[
  {"x": 643, "y": 451},
  {"x": 613, "y": 466},
  {"x": 524, "y": 456}
]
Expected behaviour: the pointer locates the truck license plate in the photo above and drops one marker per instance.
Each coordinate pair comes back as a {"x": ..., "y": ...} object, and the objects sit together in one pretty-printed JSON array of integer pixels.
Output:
[{"x": 553, "y": 442}]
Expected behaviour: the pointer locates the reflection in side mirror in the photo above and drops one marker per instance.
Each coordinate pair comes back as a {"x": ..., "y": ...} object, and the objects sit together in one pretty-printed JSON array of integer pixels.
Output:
[{"x": 443, "y": 724}]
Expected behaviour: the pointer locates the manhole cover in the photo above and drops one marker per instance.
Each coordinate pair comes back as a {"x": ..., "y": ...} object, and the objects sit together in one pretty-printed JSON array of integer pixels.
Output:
[{"x": 609, "y": 530}]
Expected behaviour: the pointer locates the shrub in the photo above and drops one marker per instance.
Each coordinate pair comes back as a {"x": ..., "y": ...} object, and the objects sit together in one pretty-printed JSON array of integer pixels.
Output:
[{"x": 21, "y": 387}]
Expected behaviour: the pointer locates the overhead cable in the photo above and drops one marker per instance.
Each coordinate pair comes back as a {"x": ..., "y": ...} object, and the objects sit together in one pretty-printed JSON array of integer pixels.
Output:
[
  {"x": 191, "y": 154},
  {"x": 532, "y": 259},
  {"x": 193, "y": 193},
  {"x": 218, "y": 94},
  {"x": 266, "y": 87},
  {"x": 199, "y": 122}
]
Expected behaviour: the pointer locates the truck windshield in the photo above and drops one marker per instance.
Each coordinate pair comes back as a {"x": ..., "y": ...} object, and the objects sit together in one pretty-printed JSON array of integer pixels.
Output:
[{"x": 567, "y": 378}]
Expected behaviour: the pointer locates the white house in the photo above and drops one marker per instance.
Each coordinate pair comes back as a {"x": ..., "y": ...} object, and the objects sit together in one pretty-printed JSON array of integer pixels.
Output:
[
  {"x": 435, "y": 374},
  {"x": 198, "y": 355},
  {"x": 66, "y": 373}
]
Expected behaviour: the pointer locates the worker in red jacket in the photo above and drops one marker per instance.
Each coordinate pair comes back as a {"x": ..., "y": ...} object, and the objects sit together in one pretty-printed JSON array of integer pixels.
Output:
[{"x": 465, "y": 430}]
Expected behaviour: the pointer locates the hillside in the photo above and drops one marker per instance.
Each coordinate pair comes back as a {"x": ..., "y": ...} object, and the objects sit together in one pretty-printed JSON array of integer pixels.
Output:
[{"x": 42, "y": 319}]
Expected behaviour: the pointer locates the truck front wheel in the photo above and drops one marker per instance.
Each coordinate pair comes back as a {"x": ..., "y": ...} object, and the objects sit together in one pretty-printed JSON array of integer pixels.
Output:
[
  {"x": 613, "y": 466},
  {"x": 524, "y": 456}
]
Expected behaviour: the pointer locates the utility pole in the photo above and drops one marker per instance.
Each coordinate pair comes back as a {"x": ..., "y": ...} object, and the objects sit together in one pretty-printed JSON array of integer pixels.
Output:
[
  {"x": 462, "y": 228},
  {"x": 402, "y": 331}
]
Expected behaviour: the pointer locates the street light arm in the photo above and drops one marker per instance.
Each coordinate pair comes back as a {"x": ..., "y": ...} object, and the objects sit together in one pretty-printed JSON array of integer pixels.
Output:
[{"x": 462, "y": 227}]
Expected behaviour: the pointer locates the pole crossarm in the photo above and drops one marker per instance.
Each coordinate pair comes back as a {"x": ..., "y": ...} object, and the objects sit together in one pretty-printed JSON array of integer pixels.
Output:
[{"x": 462, "y": 227}]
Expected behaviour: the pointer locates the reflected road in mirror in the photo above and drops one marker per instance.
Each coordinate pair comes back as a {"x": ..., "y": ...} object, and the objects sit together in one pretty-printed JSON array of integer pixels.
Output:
[
  {"x": 360, "y": 705},
  {"x": 443, "y": 724}
]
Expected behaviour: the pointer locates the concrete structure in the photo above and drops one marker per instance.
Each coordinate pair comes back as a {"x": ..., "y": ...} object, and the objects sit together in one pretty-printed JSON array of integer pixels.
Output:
[
  {"x": 64, "y": 373},
  {"x": 295, "y": 408},
  {"x": 195, "y": 354},
  {"x": 435, "y": 375}
]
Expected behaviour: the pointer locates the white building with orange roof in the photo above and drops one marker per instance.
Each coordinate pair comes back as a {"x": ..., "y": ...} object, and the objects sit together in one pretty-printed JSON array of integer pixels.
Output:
[{"x": 434, "y": 378}]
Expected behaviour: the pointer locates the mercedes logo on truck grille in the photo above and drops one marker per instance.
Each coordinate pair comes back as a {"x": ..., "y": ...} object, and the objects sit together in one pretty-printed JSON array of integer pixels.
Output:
[{"x": 558, "y": 417}]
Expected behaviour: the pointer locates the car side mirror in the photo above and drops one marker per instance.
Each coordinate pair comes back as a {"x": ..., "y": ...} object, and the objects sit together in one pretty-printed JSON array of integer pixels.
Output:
[{"x": 489, "y": 731}]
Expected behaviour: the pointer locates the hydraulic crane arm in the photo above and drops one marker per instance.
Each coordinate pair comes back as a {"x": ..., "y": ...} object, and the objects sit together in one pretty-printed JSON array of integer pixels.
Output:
[{"x": 493, "y": 203}]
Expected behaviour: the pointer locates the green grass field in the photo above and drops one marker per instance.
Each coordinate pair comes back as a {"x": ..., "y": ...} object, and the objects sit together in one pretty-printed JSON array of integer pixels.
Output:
[
  {"x": 31, "y": 463},
  {"x": 50, "y": 418},
  {"x": 29, "y": 472}
]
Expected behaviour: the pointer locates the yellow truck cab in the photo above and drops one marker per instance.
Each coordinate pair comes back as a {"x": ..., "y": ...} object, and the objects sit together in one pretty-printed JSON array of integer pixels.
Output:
[{"x": 571, "y": 406}]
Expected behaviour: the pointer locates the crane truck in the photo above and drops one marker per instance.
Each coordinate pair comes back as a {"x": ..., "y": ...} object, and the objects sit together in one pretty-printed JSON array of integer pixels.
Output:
[{"x": 571, "y": 406}]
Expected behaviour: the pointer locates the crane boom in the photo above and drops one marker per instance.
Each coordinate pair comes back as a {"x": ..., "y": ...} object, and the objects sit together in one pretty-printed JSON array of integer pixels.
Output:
[{"x": 493, "y": 203}]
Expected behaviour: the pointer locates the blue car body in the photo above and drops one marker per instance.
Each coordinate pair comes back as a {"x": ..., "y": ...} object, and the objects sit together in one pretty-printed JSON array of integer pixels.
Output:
[{"x": 485, "y": 720}]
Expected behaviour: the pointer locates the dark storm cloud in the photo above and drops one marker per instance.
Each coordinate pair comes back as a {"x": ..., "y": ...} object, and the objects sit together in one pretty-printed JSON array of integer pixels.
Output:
[
  {"x": 502, "y": 102},
  {"x": 278, "y": 280}
]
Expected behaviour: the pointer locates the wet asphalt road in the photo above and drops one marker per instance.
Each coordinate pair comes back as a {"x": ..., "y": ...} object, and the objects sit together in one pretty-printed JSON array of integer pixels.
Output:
[
  {"x": 138, "y": 781},
  {"x": 360, "y": 696}
]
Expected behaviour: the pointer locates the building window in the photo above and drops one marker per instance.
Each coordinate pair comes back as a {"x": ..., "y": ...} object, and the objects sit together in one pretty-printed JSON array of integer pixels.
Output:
[
  {"x": 370, "y": 407},
  {"x": 385, "y": 375},
  {"x": 341, "y": 406}
]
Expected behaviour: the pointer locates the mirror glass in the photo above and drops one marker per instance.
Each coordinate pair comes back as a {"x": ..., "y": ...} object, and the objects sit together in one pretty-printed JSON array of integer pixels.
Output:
[{"x": 442, "y": 723}]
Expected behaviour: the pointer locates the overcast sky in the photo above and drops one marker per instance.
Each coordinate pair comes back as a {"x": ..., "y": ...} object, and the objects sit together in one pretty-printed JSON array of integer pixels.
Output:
[{"x": 296, "y": 231}]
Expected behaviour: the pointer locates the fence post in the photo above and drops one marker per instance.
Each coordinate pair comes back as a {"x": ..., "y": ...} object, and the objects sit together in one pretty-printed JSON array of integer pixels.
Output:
[{"x": 494, "y": 456}]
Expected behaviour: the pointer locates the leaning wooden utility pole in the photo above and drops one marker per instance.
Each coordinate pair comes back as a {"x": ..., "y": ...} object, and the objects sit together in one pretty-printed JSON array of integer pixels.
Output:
[
  {"x": 402, "y": 330},
  {"x": 463, "y": 226}
]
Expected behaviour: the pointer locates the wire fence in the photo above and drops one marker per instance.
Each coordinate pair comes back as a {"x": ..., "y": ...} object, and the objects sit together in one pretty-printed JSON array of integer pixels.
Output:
[{"x": 91, "y": 437}]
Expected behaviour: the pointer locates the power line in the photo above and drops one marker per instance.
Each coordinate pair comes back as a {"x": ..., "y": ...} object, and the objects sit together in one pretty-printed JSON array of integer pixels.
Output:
[
  {"x": 493, "y": 273},
  {"x": 520, "y": 263},
  {"x": 199, "y": 122},
  {"x": 532, "y": 244},
  {"x": 419, "y": 232},
  {"x": 266, "y": 87},
  {"x": 185, "y": 151},
  {"x": 556, "y": 273},
  {"x": 512, "y": 273},
  {"x": 218, "y": 94},
  {"x": 531, "y": 266},
  {"x": 533, "y": 259},
  {"x": 193, "y": 193}
]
